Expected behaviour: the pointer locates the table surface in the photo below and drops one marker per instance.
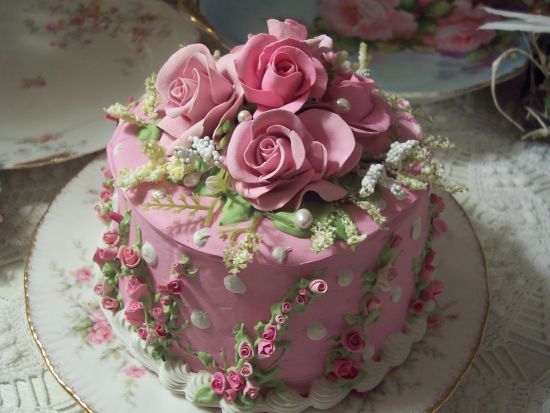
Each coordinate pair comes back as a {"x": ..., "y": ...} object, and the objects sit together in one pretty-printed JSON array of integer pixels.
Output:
[{"x": 508, "y": 202}]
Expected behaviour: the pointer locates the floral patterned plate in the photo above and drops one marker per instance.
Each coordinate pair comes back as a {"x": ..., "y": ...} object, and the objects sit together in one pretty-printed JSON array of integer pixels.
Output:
[
  {"x": 86, "y": 358},
  {"x": 62, "y": 61},
  {"x": 424, "y": 50}
]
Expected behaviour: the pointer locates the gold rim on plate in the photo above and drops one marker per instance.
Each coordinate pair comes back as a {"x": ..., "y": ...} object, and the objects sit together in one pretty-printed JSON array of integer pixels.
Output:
[{"x": 447, "y": 395}]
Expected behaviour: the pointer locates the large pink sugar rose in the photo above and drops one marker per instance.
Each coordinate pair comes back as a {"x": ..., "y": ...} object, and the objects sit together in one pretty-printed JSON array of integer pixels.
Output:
[
  {"x": 368, "y": 19},
  {"x": 279, "y": 69},
  {"x": 369, "y": 116},
  {"x": 277, "y": 157},
  {"x": 134, "y": 313},
  {"x": 458, "y": 34},
  {"x": 197, "y": 94}
]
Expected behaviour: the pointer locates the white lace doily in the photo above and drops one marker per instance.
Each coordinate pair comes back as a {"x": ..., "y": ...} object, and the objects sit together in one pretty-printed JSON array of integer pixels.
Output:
[{"x": 508, "y": 202}]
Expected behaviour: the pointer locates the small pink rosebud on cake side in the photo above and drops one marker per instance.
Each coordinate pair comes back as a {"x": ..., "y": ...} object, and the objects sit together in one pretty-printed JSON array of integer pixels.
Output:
[
  {"x": 111, "y": 237},
  {"x": 247, "y": 370},
  {"x": 218, "y": 383},
  {"x": 345, "y": 369},
  {"x": 416, "y": 307},
  {"x": 175, "y": 286},
  {"x": 109, "y": 303},
  {"x": 134, "y": 313},
  {"x": 352, "y": 340},
  {"x": 286, "y": 307},
  {"x": 235, "y": 380},
  {"x": 270, "y": 333},
  {"x": 251, "y": 389},
  {"x": 318, "y": 286},
  {"x": 266, "y": 349},
  {"x": 246, "y": 351},
  {"x": 373, "y": 304},
  {"x": 136, "y": 289},
  {"x": 128, "y": 256}
]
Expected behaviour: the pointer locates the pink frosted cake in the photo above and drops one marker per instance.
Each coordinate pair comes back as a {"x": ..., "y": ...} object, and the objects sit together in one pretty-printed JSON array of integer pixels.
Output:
[{"x": 270, "y": 217}]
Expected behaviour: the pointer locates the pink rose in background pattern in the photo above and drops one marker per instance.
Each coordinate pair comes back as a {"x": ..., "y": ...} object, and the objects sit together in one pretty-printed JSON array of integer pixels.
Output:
[
  {"x": 277, "y": 157},
  {"x": 352, "y": 340},
  {"x": 128, "y": 256},
  {"x": 101, "y": 331},
  {"x": 431, "y": 292},
  {"x": 197, "y": 94},
  {"x": 134, "y": 371},
  {"x": 458, "y": 33},
  {"x": 83, "y": 274},
  {"x": 279, "y": 69},
  {"x": 345, "y": 369},
  {"x": 368, "y": 19},
  {"x": 134, "y": 313},
  {"x": 218, "y": 383}
]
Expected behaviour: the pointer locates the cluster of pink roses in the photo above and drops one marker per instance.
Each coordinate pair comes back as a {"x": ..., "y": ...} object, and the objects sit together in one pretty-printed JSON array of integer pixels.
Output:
[
  {"x": 306, "y": 130},
  {"x": 229, "y": 386}
]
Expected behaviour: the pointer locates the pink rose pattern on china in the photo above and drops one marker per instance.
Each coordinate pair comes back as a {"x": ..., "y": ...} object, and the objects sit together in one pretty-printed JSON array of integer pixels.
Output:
[{"x": 456, "y": 22}]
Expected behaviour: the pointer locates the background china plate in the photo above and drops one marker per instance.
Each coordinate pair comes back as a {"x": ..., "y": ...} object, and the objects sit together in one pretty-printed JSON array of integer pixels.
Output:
[
  {"x": 89, "y": 362},
  {"x": 415, "y": 75},
  {"x": 63, "y": 61}
]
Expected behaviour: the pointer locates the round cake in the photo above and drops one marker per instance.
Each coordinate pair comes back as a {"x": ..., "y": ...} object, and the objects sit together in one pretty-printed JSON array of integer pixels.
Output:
[{"x": 269, "y": 222}]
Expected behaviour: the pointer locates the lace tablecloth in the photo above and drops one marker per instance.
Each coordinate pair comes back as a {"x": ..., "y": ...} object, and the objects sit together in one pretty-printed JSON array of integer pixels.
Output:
[{"x": 508, "y": 202}]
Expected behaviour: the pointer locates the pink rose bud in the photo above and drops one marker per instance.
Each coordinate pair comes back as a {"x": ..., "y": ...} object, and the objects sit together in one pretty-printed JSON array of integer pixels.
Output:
[
  {"x": 178, "y": 268},
  {"x": 134, "y": 313},
  {"x": 143, "y": 333},
  {"x": 246, "y": 370},
  {"x": 235, "y": 380},
  {"x": 105, "y": 195},
  {"x": 266, "y": 349},
  {"x": 286, "y": 307},
  {"x": 111, "y": 237},
  {"x": 175, "y": 286},
  {"x": 246, "y": 351},
  {"x": 109, "y": 303},
  {"x": 396, "y": 241},
  {"x": 352, "y": 340},
  {"x": 416, "y": 307},
  {"x": 331, "y": 378},
  {"x": 303, "y": 292},
  {"x": 136, "y": 289},
  {"x": 163, "y": 288},
  {"x": 115, "y": 216},
  {"x": 345, "y": 369},
  {"x": 158, "y": 313},
  {"x": 160, "y": 330},
  {"x": 165, "y": 300},
  {"x": 218, "y": 383},
  {"x": 106, "y": 172},
  {"x": 432, "y": 290},
  {"x": 103, "y": 255},
  {"x": 98, "y": 289},
  {"x": 280, "y": 319},
  {"x": 318, "y": 286},
  {"x": 128, "y": 256},
  {"x": 251, "y": 389},
  {"x": 270, "y": 333},
  {"x": 392, "y": 274},
  {"x": 373, "y": 304},
  {"x": 430, "y": 256},
  {"x": 230, "y": 395},
  {"x": 300, "y": 299},
  {"x": 438, "y": 202}
]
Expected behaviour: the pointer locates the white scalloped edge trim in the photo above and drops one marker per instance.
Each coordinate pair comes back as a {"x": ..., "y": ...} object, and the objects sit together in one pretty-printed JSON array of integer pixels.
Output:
[{"x": 175, "y": 376}]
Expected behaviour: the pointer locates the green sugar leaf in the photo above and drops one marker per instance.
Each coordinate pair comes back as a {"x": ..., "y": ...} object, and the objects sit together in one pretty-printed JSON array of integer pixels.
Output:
[
  {"x": 236, "y": 210},
  {"x": 205, "y": 396},
  {"x": 148, "y": 132},
  {"x": 284, "y": 221}
]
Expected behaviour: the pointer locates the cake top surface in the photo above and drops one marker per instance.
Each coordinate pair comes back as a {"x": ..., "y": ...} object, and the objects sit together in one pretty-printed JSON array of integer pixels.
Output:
[{"x": 282, "y": 136}]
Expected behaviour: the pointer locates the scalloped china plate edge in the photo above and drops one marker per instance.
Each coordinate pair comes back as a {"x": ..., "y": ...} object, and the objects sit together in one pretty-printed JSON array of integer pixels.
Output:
[{"x": 67, "y": 387}]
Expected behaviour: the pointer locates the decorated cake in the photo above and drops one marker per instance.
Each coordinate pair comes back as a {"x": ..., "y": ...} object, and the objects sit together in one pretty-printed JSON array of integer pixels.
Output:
[{"x": 269, "y": 219}]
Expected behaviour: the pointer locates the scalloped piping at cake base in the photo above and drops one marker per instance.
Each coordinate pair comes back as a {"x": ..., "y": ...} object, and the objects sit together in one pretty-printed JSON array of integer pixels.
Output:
[{"x": 175, "y": 376}]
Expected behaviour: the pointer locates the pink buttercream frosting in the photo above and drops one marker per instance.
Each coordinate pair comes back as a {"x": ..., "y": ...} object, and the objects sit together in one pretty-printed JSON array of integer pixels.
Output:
[{"x": 267, "y": 281}]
